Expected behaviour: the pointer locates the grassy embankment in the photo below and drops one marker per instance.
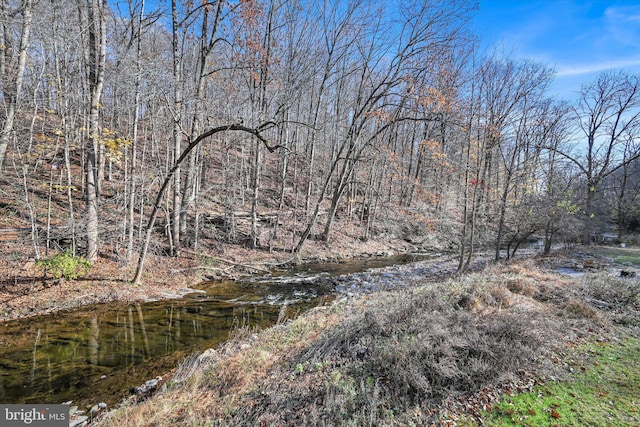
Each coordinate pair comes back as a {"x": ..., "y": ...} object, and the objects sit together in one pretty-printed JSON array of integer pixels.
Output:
[{"x": 513, "y": 345}]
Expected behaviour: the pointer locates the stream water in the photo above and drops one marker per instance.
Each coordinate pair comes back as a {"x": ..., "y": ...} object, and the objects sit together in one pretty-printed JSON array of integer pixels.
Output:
[{"x": 99, "y": 353}]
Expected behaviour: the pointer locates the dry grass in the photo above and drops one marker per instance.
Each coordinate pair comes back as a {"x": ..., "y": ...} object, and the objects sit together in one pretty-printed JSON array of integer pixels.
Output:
[
  {"x": 398, "y": 358},
  {"x": 616, "y": 299},
  {"x": 617, "y": 291},
  {"x": 407, "y": 354}
]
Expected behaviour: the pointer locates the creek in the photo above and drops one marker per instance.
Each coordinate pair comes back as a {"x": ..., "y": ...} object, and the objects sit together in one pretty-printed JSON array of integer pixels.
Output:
[{"x": 99, "y": 353}]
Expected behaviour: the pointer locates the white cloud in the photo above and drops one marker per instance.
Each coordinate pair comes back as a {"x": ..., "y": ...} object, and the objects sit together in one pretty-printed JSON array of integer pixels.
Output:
[
  {"x": 623, "y": 14},
  {"x": 621, "y": 30},
  {"x": 578, "y": 69}
]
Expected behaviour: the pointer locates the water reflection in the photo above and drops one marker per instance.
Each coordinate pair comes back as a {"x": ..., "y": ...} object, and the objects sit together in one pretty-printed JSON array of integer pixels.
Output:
[{"x": 89, "y": 354}]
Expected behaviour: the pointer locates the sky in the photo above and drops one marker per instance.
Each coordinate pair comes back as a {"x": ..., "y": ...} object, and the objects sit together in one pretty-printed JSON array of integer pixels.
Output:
[{"x": 579, "y": 39}]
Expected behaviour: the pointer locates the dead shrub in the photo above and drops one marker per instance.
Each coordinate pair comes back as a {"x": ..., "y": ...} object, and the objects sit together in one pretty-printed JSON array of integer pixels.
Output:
[
  {"x": 617, "y": 299},
  {"x": 520, "y": 268},
  {"x": 552, "y": 293},
  {"x": 522, "y": 286},
  {"x": 580, "y": 309},
  {"x": 619, "y": 292},
  {"x": 412, "y": 352},
  {"x": 501, "y": 295},
  {"x": 480, "y": 299}
]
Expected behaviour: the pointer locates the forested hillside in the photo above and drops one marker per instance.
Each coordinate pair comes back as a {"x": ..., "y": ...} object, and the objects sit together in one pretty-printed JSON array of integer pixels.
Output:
[{"x": 143, "y": 127}]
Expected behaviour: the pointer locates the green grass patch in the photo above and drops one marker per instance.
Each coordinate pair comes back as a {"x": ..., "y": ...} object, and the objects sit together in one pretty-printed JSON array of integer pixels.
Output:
[
  {"x": 630, "y": 256},
  {"x": 65, "y": 265},
  {"x": 604, "y": 390},
  {"x": 628, "y": 259}
]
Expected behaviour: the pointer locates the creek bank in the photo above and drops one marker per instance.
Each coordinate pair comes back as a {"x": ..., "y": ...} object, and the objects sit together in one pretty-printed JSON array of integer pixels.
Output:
[
  {"x": 77, "y": 417},
  {"x": 303, "y": 372},
  {"x": 375, "y": 279},
  {"x": 372, "y": 280},
  {"x": 84, "y": 349}
]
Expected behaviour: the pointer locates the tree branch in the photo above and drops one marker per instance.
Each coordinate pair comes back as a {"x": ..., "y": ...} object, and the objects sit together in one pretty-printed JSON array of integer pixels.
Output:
[{"x": 209, "y": 132}]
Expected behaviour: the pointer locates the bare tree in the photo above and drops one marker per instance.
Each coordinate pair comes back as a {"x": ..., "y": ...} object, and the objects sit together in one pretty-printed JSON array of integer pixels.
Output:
[
  {"x": 622, "y": 188},
  {"x": 374, "y": 93},
  {"x": 607, "y": 112},
  {"x": 514, "y": 127}
]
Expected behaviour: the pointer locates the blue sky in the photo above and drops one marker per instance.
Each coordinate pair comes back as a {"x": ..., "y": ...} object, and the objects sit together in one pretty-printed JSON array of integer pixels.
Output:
[{"x": 579, "y": 39}]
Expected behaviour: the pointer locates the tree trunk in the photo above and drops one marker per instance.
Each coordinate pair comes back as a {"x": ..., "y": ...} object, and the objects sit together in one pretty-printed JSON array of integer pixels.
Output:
[
  {"x": 502, "y": 215},
  {"x": 12, "y": 84},
  {"x": 255, "y": 190},
  {"x": 177, "y": 133},
  {"x": 548, "y": 237},
  {"x": 134, "y": 138},
  {"x": 620, "y": 199},
  {"x": 589, "y": 214},
  {"x": 341, "y": 185},
  {"x": 97, "y": 55},
  {"x": 207, "y": 42}
]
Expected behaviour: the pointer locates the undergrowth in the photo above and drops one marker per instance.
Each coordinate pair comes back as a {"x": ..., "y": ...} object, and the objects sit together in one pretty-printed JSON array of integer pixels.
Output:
[{"x": 65, "y": 265}]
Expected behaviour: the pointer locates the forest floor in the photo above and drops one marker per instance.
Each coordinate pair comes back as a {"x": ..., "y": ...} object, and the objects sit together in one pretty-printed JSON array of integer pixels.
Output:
[{"x": 26, "y": 291}]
